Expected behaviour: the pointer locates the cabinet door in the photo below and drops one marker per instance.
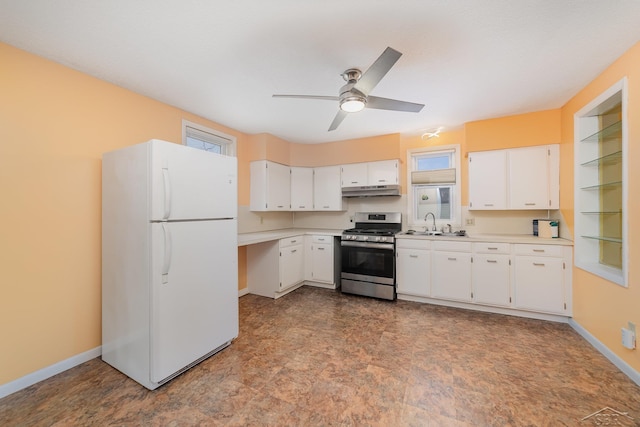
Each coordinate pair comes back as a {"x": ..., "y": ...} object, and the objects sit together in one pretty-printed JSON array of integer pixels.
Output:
[
  {"x": 491, "y": 279},
  {"x": 354, "y": 175},
  {"x": 270, "y": 186},
  {"x": 327, "y": 193},
  {"x": 488, "y": 180},
  {"x": 291, "y": 266},
  {"x": 539, "y": 284},
  {"x": 529, "y": 178},
  {"x": 413, "y": 267},
  {"x": 301, "y": 189},
  {"x": 451, "y": 275},
  {"x": 322, "y": 262},
  {"x": 383, "y": 173},
  {"x": 278, "y": 187}
]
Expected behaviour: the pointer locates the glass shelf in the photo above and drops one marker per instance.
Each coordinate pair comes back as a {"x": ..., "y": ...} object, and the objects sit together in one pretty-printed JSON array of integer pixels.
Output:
[
  {"x": 604, "y": 239},
  {"x": 605, "y": 186},
  {"x": 609, "y": 159},
  {"x": 611, "y": 132},
  {"x": 602, "y": 213}
]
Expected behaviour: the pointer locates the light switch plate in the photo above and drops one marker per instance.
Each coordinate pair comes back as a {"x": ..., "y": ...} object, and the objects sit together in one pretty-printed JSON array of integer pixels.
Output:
[{"x": 628, "y": 339}]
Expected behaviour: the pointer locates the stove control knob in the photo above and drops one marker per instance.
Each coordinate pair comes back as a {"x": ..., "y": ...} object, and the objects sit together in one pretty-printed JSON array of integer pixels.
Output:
[
  {"x": 365, "y": 238},
  {"x": 378, "y": 238}
]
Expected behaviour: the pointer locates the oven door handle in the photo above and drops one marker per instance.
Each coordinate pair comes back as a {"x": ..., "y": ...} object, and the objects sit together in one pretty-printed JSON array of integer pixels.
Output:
[{"x": 384, "y": 246}]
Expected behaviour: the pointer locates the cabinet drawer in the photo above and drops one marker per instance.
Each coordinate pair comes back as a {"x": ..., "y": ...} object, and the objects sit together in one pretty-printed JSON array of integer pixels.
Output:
[
  {"x": 539, "y": 250},
  {"x": 289, "y": 241},
  {"x": 491, "y": 248},
  {"x": 452, "y": 246},
  {"x": 322, "y": 239},
  {"x": 413, "y": 244}
]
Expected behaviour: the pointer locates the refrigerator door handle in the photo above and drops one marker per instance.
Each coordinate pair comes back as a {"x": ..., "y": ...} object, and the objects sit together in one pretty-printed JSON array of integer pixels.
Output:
[
  {"x": 167, "y": 253},
  {"x": 167, "y": 192}
]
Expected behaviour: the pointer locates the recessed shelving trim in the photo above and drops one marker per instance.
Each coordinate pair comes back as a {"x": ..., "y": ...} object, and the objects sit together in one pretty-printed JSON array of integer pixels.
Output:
[{"x": 601, "y": 173}]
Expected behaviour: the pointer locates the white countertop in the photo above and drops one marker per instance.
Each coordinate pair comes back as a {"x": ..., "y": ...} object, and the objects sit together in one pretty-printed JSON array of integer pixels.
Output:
[
  {"x": 267, "y": 236},
  {"x": 494, "y": 238}
]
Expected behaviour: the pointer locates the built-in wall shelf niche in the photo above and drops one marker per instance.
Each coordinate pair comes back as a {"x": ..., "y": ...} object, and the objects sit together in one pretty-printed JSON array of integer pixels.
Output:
[{"x": 600, "y": 152}]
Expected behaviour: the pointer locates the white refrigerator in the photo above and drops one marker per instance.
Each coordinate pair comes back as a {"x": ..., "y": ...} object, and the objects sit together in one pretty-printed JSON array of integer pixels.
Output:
[{"x": 169, "y": 258}]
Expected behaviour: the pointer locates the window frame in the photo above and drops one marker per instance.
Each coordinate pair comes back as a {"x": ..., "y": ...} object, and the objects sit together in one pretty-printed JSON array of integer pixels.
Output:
[
  {"x": 227, "y": 142},
  {"x": 456, "y": 206}
]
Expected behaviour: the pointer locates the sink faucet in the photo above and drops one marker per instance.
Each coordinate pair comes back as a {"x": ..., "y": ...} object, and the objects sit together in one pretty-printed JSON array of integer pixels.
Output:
[{"x": 433, "y": 228}]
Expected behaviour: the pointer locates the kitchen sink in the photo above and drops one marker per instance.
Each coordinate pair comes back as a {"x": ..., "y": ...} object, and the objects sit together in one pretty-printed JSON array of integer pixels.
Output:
[{"x": 460, "y": 233}]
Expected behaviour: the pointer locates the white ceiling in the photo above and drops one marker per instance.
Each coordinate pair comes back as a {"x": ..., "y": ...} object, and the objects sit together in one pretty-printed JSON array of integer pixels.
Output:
[{"x": 465, "y": 60}]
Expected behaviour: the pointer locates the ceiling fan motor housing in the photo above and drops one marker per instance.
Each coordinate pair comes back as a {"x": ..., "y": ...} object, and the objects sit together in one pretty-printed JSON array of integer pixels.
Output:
[{"x": 351, "y": 100}]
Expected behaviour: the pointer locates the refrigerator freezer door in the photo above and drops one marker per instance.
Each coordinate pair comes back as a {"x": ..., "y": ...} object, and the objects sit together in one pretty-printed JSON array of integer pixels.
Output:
[
  {"x": 187, "y": 183},
  {"x": 194, "y": 301}
]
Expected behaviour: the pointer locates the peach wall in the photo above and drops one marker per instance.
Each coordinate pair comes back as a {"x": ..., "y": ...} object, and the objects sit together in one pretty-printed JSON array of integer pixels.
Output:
[
  {"x": 600, "y": 306},
  {"x": 539, "y": 128},
  {"x": 55, "y": 123},
  {"x": 381, "y": 147}
]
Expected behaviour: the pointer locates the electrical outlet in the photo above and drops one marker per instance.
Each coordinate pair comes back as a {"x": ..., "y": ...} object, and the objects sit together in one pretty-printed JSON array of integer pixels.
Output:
[
  {"x": 470, "y": 221},
  {"x": 261, "y": 220},
  {"x": 629, "y": 336}
]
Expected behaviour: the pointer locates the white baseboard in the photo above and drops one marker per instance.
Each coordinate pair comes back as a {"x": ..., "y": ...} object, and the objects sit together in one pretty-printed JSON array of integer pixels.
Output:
[
  {"x": 606, "y": 352},
  {"x": 242, "y": 292},
  {"x": 49, "y": 371}
]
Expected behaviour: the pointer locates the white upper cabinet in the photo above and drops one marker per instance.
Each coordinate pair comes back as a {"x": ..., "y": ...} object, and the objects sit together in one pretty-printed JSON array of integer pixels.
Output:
[
  {"x": 488, "y": 180},
  {"x": 301, "y": 189},
  {"x": 270, "y": 186},
  {"x": 327, "y": 194},
  {"x": 534, "y": 177},
  {"x": 384, "y": 172},
  {"x": 517, "y": 178},
  {"x": 355, "y": 175}
]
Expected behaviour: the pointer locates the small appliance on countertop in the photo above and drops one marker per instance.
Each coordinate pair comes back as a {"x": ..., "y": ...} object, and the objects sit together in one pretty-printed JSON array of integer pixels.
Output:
[{"x": 546, "y": 228}]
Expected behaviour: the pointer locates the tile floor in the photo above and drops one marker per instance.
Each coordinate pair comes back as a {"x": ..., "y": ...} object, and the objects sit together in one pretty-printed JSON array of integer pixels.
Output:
[{"x": 319, "y": 358}]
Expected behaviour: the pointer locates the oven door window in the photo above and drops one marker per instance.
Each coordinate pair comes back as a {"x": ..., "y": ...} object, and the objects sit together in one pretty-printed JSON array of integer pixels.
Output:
[{"x": 368, "y": 261}]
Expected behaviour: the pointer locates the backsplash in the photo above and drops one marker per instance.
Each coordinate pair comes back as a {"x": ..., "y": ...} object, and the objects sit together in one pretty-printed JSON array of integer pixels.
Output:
[{"x": 485, "y": 222}]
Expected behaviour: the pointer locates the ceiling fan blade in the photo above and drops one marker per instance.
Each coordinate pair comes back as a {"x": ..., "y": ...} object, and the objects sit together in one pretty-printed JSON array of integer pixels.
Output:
[
  {"x": 392, "y": 104},
  {"x": 326, "y": 98},
  {"x": 377, "y": 71},
  {"x": 337, "y": 120}
]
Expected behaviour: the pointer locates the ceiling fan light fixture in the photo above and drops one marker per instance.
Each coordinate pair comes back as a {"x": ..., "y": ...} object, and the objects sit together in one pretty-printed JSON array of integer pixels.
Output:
[{"x": 352, "y": 104}]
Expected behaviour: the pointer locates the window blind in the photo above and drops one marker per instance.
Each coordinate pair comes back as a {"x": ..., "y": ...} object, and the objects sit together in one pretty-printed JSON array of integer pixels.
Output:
[{"x": 437, "y": 176}]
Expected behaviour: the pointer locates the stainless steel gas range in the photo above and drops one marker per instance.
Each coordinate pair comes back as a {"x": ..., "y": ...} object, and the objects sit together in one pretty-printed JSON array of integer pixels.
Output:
[{"x": 368, "y": 255}]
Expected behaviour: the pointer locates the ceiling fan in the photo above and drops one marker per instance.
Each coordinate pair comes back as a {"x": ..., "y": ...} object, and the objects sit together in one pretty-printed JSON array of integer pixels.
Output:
[{"x": 354, "y": 96}]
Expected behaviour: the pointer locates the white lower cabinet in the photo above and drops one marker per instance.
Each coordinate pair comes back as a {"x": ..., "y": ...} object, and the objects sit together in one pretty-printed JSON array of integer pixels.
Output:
[
  {"x": 291, "y": 262},
  {"x": 541, "y": 279},
  {"x": 320, "y": 259},
  {"x": 491, "y": 274},
  {"x": 413, "y": 267},
  {"x": 520, "y": 278},
  {"x": 451, "y": 275},
  {"x": 275, "y": 267}
]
